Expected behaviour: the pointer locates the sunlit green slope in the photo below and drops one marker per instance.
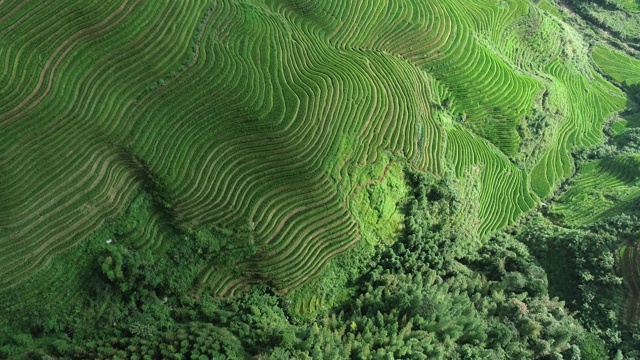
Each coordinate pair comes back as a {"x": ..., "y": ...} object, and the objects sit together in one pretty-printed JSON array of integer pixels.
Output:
[
  {"x": 620, "y": 67},
  {"x": 248, "y": 122},
  {"x": 610, "y": 185}
]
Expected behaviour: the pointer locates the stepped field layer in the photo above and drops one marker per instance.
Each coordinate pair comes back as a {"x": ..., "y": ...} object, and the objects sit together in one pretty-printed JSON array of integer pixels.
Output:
[
  {"x": 621, "y": 67},
  {"x": 602, "y": 188},
  {"x": 248, "y": 121},
  {"x": 608, "y": 186}
]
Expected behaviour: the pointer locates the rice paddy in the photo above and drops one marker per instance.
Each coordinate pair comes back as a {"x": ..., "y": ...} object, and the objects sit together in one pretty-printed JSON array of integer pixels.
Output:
[{"x": 253, "y": 116}]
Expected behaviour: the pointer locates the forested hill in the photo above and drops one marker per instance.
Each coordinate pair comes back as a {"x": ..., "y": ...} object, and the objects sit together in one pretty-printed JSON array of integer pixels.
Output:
[{"x": 319, "y": 179}]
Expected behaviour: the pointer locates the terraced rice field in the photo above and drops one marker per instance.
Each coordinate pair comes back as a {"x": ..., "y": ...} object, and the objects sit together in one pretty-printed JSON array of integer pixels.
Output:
[
  {"x": 602, "y": 188},
  {"x": 509, "y": 194},
  {"x": 255, "y": 114},
  {"x": 619, "y": 66},
  {"x": 547, "y": 5},
  {"x": 610, "y": 186},
  {"x": 588, "y": 104},
  {"x": 630, "y": 268}
]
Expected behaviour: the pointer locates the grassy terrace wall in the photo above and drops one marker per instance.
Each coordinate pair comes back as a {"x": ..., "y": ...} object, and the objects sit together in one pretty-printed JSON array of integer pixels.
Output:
[{"x": 252, "y": 116}]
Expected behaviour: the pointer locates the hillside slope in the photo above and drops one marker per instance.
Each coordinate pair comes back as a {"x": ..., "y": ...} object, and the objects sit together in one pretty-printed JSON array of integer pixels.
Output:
[{"x": 249, "y": 125}]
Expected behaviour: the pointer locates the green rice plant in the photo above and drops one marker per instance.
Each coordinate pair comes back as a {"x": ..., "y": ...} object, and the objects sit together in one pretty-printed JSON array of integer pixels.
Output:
[{"x": 621, "y": 67}]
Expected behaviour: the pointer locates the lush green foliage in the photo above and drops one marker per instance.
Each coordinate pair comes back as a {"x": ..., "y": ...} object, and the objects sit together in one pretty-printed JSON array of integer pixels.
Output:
[
  {"x": 619, "y": 66},
  {"x": 176, "y": 176}
]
